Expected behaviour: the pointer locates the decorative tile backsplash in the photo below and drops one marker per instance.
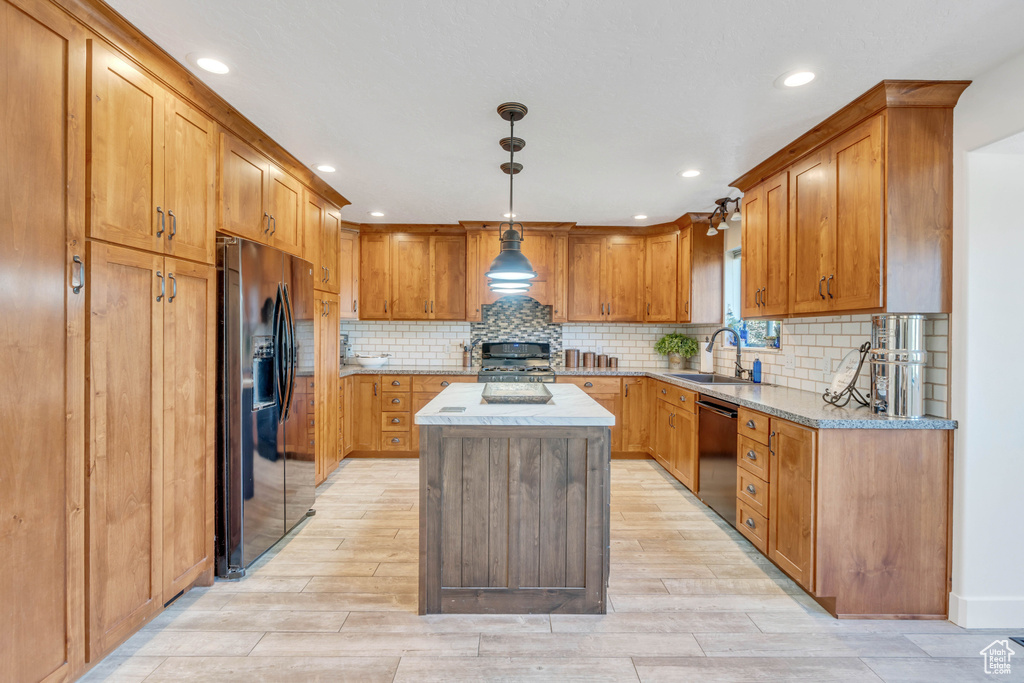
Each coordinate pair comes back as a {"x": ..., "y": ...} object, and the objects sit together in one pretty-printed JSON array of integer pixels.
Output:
[
  {"x": 518, "y": 319},
  {"x": 420, "y": 343}
]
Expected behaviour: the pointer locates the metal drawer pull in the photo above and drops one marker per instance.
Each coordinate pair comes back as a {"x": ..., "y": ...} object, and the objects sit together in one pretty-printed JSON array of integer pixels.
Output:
[
  {"x": 396, "y": 440},
  {"x": 750, "y": 523},
  {"x": 752, "y": 455},
  {"x": 76, "y": 287},
  {"x": 751, "y": 490},
  {"x": 396, "y": 400},
  {"x": 444, "y": 384},
  {"x": 664, "y": 391},
  {"x": 751, "y": 424},
  {"x": 396, "y": 383},
  {"x": 395, "y": 420},
  {"x": 682, "y": 398},
  {"x": 588, "y": 384}
]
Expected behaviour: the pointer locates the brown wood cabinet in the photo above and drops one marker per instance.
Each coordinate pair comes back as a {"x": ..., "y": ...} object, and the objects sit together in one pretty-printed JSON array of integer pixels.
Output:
[
  {"x": 412, "y": 276},
  {"x": 150, "y": 470},
  {"x": 154, "y": 189},
  {"x": 765, "y": 282},
  {"x": 791, "y": 484},
  {"x": 258, "y": 200},
  {"x": 661, "y": 273},
  {"x": 348, "y": 273},
  {"x": 366, "y": 399},
  {"x": 409, "y": 273},
  {"x": 634, "y": 415},
  {"x": 674, "y": 432},
  {"x": 348, "y": 429},
  {"x": 42, "y": 195},
  {"x": 606, "y": 278},
  {"x": 684, "y": 277},
  {"x": 325, "y": 324},
  {"x": 374, "y": 276},
  {"x": 322, "y": 236}
]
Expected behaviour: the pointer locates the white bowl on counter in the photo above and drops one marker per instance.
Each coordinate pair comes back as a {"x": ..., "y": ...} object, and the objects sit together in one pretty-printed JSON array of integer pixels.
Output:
[{"x": 377, "y": 361}]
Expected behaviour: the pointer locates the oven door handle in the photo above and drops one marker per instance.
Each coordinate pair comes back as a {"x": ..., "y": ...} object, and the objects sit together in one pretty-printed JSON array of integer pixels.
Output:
[{"x": 731, "y": 414}]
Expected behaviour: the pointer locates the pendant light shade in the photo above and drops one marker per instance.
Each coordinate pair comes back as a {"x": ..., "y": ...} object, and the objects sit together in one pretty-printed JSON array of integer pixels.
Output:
[{"x": 511, "y": 271}]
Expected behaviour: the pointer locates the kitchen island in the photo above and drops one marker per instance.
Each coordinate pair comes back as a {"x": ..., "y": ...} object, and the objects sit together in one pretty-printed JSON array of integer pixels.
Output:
[{"x": 514, "y": 504}]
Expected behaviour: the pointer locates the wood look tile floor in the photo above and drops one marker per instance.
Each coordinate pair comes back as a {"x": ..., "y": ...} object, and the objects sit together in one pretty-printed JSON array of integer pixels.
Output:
[{"x": 690, "y": 599}]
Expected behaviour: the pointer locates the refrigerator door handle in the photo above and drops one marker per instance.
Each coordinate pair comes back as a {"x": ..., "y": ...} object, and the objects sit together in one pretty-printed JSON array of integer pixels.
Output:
[
  {"x": 279, "y": 361},
  {"x": 292, "y": 352}
]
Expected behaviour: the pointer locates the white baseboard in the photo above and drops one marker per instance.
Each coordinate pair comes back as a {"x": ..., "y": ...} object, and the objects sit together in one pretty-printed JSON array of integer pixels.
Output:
[{"x": 986, "y": 612}]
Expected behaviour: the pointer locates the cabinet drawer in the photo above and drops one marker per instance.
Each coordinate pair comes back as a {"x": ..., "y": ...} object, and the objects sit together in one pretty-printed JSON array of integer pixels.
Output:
[
  {"x": 677, "y": 396},
  {"x": 753, "y": 457},
  {"x": 393, "y": 401},
  {"x": 595, "y": 385},
  {"x": 395, "y": 422},
  {"x": 752, "y": 525},
  {"x": 753, "y": 425},
  {"x": 752, "y": 490},
  {"x": 396, "y": 383},
  {"x": 434, "y": 384},
  {"x": 394, "y": 441}
]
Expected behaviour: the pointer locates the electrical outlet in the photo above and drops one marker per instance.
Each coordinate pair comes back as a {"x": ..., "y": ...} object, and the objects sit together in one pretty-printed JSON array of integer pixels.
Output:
[{"x": 790, "y": 361}]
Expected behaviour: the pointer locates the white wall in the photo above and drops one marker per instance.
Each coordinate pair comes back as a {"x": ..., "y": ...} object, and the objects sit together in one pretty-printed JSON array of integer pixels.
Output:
[{"x": 987, "y": 326}]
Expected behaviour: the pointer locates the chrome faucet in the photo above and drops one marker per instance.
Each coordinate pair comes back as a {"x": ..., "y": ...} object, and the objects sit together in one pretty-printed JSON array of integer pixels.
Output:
[{"x": 739, "y": 365}]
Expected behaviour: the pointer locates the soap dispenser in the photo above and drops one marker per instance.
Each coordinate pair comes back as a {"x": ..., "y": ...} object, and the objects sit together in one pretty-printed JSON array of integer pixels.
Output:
[{"x": 755, "y": 374}]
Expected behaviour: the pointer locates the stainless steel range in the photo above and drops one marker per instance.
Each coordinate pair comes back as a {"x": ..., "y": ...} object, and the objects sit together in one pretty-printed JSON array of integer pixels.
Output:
[{"x": 516, "y": 362}]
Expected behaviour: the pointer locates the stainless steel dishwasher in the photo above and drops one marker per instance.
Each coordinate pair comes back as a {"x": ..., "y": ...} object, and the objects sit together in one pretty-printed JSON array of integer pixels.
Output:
[{"x": 716, "y": 456}]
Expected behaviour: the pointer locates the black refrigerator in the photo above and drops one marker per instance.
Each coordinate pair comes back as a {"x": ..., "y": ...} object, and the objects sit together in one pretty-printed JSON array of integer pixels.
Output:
[{"x": 265, "y": 477}]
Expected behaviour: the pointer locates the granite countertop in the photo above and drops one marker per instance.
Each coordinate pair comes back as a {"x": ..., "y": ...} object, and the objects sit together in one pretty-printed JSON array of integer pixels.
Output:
[
  {"x": 803, "y": 407},
  {"x": 569, "y": 407}
]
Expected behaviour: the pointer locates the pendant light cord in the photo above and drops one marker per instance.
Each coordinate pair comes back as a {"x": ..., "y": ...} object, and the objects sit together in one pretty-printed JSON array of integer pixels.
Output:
[{"x": 511, "y": 168}]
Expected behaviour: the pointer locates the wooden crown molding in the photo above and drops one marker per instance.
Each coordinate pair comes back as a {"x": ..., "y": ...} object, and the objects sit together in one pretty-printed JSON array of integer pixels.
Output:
[
  {"x": 885, "y": 95},
  {"x": 106, "y": 24},
  {"x": 416, "y": 228},
  {"x": 535, "y": 225},
  {"x": 689, "y": 219}
]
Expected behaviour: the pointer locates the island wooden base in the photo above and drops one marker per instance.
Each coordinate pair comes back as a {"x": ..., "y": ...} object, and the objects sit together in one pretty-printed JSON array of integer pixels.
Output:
[{"x": 514, "y": 520}]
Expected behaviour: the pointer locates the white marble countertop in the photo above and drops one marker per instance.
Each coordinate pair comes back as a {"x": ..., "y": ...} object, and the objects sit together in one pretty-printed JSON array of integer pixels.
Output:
[{"x": 569, "y": 407}]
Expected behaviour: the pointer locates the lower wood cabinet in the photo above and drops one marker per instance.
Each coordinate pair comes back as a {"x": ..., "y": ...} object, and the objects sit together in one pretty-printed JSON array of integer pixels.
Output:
[
  {"x": 634, "y": 415},
  {"x": 150, "y": 462},
  {"x": 673, "y": 431},
  {"x": 366, "y": 398},
  {"x": 791, "y": 485},
  {"x": 326, "y": 350}
]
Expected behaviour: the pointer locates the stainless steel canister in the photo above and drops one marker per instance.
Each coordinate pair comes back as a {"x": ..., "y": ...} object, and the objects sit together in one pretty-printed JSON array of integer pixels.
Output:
[
  {"x": 602, "y": 360},
  {"x": 588, "y": 359},
  {"x": 572, "y": 358},
  {"x": 897, "y": 365}
]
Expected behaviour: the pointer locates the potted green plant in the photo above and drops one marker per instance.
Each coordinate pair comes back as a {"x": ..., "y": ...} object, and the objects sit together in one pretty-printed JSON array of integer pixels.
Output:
[{"x": 676, "y": 346}]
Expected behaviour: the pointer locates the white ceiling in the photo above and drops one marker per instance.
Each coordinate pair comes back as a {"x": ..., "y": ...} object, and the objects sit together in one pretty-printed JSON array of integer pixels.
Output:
[{"x": 400, "y": 96}]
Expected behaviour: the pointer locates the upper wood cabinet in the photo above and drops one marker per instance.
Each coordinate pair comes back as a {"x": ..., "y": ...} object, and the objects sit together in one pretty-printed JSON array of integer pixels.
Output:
[
  {"x": 791, "y": 491},
  {"x": 869, "y": 209},
  {"x": 259, "y": 201},
  {"x": 409, "y": 276},
  {"x": 684, "y": 276},
  {"x": 606, "y": 278},
  {"x": 701, "y": 271},
  {"x": 765, "y": 280},
  {"x": 661, "y": 275},
  {"x": 348, "y": 274},
  {"x": 153, "y": 189}
]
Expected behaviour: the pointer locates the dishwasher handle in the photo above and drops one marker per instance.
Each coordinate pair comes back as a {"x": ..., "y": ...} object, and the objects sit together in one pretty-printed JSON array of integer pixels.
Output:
[{"x": 731, "y": 414}]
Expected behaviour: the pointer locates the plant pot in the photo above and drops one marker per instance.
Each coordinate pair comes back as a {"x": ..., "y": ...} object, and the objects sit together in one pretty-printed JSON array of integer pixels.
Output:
[{"x": 675, "y": 361}]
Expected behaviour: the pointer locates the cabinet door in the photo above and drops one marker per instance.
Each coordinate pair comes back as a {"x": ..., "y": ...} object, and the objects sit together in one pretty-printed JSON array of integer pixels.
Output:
[
  {"x": 366, "y": 422},
  {"x": 859, "y": 194},
  {"x": 330, "y": 237},
  {"x": 126, "y": 170},
  {"x": 124, "y": 465},
  {"x": 664, "y": 434},
  {"x": 41, "y": 466},
  {"x": 622, "y": 278},
  {"x": 775, "y": 245},
  {"x": 348, "y": 274},
  {"x": 661, "y": 269},
  {"x": 314, "y": 209},
  {"x": 613, "y": 404},
  {"x": 684, "y": 426},
  {"x": 685, "y": 280},
  {"x": 190, "y": 176},
  {"x": 285, "y": 195},
  {"x": 791, "y": 496},
  {"x": 349, "y": 415},
  {"x": 539, "y": 248},
  {"x": 418, "y": 401},
  {"x": 559, "y": 281},
  {"x": 754, "y": 248},
  {"x": 374, "y": 276},
  {"x": 810, "y": 234},
  {"x": 475, "y": 281},
  {"x": 189, "y": 421},
  {"x": 410, "y": 277},
  {"x": 325, "y": 384},
  {"x": 448, "y": 277},
  {"x": 634, "y": 414},
  {"x": 244, "y": 185},
  {"x": 585, "y": 257}
]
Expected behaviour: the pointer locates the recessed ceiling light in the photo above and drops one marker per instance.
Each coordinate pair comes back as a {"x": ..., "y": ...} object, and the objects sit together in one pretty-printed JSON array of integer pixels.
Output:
[
  {"x": 692, "y": 173},
  {"x": 640, "y": 216},
  {"x": 794, "y": 79},
  {"x": 326, "y": 168},
  {"x": 377, "y": 214},
  {"x": 214, "y": 66},
  {"x": 509, "y": 215}
]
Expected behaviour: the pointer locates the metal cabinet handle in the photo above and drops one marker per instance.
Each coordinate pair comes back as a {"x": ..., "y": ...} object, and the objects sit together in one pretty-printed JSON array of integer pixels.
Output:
[
  {"x": 395, "y": 420},
  {"x": 828, "y": 287},
  {"x": 396, "y": 400},
  {"x": 174, "y": 287},
  {"x": 424, "y": 306},
  {"x": 770, "y": 437},
  {"x": 751, "y": 490},
  {"x": 77, "y": 287},
  {"x": 682, "y": 398},
  {"x": 750, "y": 523},
  {"x": 396, "y": 440},
  {"x": 374, "y": 388},
  {"x": 355, "y": 305},
  {"x": 588, "y": 384},
  {"x": 385, "y": 305},
  {"x": 163, "y": 287},
  {"x": 396, "y": 383},
  {"x": 820, "y": 283},
  {"x": 751, "y": 424},
  {"x": 764, "y": 296},
  {"x": 174, "y": 226},
  {"x": 274, "y": 220},
  {"x": 757, "y": 298},
  {"x": 444, "y": 384},
  {"x": 161, "y": 230},
  {"x": 626, "y": 390},
  {"x": 328, "y": 267},
  {"x": 672, "y": 420},
  {"x": 431, "y": 305},
  {"x": 609, "y": 308},
  {"x": 266, "y": 219},
  {"x": 664, "y": 391},
  {"x": 648, "y": 308},
  {"x": 752, "y": 455}
]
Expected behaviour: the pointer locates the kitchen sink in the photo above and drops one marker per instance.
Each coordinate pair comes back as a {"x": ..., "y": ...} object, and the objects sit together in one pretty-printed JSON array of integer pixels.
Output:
[{"x": 704, "y": 378}]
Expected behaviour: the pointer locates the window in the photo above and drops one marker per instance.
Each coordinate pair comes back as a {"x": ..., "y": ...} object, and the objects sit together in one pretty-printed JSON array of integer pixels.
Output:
[{"x": 756, "y": 334}]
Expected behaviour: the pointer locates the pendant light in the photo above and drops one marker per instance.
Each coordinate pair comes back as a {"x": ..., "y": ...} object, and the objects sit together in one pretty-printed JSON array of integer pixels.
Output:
[{"x": 511, "y": 271}]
